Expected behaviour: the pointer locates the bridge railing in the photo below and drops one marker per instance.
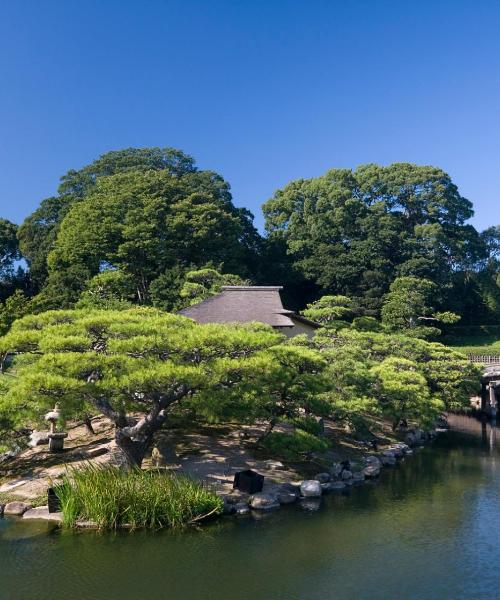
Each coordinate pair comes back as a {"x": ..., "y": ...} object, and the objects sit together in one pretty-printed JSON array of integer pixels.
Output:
[{"x": 484, "y": 359}]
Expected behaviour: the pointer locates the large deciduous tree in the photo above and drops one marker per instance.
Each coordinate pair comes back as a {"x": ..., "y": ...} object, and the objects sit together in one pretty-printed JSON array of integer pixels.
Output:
[
  {"x": 147, "y": 224},
  {"x": 39, "y": 232},
  {"x": 352, "y": 232},
  {"x": 135, "y": 366}
]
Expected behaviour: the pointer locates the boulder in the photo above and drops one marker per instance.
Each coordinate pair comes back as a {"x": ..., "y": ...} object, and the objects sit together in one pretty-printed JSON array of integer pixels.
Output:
[
  {"x": 285, "y": 497},
  {"x": 346, "y": 475},
  {"x": 397, "y": 452},
  {"x": 16, "y": 509},
  {"x": 322, "y": 477},
  {"x": 262, "y": 501},
  {"x": 388, "y": 461},
  {"x": 42, "y": 513},
  {"x": 38, "y": 438},
  {"x": 336, "y": 486},
  {"x": 228, "y": 508},
  {"x": 310, "y": 488},
  {"x": 358, "y": 477},
  {"x": 373, "y": 461},
  {"x": 371, "y": 471},
  {"x": 410, "y": 439},
  {"x": 336, "y": 470},
  {"x": 241, "y": 508},
  {"x": 405, "y": 449}
]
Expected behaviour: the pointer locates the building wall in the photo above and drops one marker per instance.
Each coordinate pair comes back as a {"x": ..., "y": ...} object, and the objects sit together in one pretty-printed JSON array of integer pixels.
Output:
[{"x": 299, "y": 328}]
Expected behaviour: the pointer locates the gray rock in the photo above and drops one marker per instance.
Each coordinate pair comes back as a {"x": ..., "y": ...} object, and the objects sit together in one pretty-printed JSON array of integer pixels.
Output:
[
  {"x": 241, "y": 508},
  {"x": 398, "y": 452},
  {"x": 371, "y": 471},
  {"x": 16, "y": 508},
  {"x": 285, "y": 497},
  {"x": 390, "y": 453},
  {"x": 358, "y": 477},
  {"x": 274, "y": 465},
  {"x": 373, "y": 461},
  {"x": 388, "y": 461},
  {"x": 262, "y": 501},
  {"x": 228, "y": 508},
  {"x": 410, "y": 439},
  {"x": 346, "y": 475},
  {"x": 405, "y": 449},
  {"x": 336, "y": 470},
  {"x": 322, "y": 477},
  {"x": 42, "y": 513},
  {"x": 310, "y": 488},
  {"x": 336, "y": 486}
]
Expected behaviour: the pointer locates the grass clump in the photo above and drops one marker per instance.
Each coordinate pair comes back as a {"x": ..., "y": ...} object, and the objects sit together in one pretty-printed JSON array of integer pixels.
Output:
[
  {"x": 112, "y": 497},
  {"x": 294, "y": 446}
]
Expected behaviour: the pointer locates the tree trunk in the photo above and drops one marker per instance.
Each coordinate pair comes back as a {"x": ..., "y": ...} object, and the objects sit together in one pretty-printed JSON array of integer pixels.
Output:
[
  {"x": 133, "y": 452},
  {"x": 87, "y": 420}
]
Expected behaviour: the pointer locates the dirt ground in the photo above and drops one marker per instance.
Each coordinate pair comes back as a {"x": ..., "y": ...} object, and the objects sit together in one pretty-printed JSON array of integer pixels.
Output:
[{"x": 211, "y": 453}]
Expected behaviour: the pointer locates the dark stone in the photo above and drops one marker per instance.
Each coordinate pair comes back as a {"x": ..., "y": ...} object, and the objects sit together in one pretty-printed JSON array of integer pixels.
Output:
[{"x": 248, "y": 481}]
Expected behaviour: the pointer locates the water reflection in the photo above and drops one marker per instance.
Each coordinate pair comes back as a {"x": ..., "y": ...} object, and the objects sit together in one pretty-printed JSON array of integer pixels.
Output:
[{"x": 421, "y": 532}]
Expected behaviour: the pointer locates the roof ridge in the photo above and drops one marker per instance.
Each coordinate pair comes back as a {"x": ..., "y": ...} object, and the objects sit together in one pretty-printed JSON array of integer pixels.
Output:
[{"x": 252, "y": 288}]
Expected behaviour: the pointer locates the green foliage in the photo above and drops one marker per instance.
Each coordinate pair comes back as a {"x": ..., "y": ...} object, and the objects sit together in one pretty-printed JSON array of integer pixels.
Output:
[
  {"x": 111, "y": 497},
  {"x": 203, "y": 283},
  {"x": 139, "y": 361},
  {"x": 366, "y": 324},
  {"x": 408, "y": 308},
  {"x": 145, "y": 223},
  {"x": 330, "y": 311},
  {"x": 403, "y": 392},
  {"x": 14, "y": 307},
  {"x": 393, "y": 375},
  {"x": 12, "y": 277},
  {"x": 110, "y": 289},
  {"x": 294, "y": 446},
  {"x": 39, "y": 231},
  {"x": 352, "y": 232}
]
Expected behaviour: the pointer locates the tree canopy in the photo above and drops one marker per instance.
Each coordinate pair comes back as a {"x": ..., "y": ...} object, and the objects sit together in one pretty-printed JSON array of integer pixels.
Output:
[
  {"x": 352, "y": 232},
  {"x": 124, "y": 362}
]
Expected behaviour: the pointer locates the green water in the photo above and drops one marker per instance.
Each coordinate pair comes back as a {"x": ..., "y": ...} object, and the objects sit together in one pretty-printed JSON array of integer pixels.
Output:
[{"x": 428, "y": 530}]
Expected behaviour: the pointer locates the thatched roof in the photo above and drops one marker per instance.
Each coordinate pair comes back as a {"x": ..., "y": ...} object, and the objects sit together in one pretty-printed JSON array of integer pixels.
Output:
[{"x": 242, "y": 304}]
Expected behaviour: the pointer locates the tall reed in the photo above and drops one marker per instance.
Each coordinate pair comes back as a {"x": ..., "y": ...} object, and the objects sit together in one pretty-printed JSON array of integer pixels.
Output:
[{"x": 111, "y": 497}]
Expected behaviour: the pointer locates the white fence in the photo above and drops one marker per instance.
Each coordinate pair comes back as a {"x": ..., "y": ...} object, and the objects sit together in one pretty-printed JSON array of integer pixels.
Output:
[{"x": 484, "y": 359}]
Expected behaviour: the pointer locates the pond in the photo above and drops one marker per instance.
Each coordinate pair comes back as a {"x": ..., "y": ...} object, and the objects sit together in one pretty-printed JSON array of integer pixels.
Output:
[{"x": 429, "y": 529}]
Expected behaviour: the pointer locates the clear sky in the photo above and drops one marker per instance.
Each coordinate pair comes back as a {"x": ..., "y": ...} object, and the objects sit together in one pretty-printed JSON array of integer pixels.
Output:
[{"x": 261, "y": 91}]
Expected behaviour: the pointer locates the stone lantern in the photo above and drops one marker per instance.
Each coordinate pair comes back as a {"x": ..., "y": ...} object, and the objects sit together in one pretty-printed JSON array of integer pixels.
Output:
[{"x": 56, "y": 438}]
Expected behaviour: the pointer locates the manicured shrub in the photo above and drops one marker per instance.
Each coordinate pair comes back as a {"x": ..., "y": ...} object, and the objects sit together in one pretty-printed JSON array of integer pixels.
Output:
[
  {"x": 294, "y": 446},
  {"x": 112, "y": 497}
]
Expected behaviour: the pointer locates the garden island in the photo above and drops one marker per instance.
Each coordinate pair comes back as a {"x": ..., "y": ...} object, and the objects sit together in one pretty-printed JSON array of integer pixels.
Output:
[{"x": 156, "y": 350}]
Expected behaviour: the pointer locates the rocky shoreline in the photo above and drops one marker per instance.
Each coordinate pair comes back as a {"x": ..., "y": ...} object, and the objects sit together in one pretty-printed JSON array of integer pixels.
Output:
[
  {"x": 340, "y": 477},
  {"x": 307, "y": 493}
]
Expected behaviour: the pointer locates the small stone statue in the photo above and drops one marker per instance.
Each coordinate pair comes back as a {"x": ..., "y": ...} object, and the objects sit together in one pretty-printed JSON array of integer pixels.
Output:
[{"x": 56, "y": 438}]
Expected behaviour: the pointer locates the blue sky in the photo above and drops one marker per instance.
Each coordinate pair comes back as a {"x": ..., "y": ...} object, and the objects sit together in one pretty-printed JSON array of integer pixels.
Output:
[{"x": 261, "y": 91}]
